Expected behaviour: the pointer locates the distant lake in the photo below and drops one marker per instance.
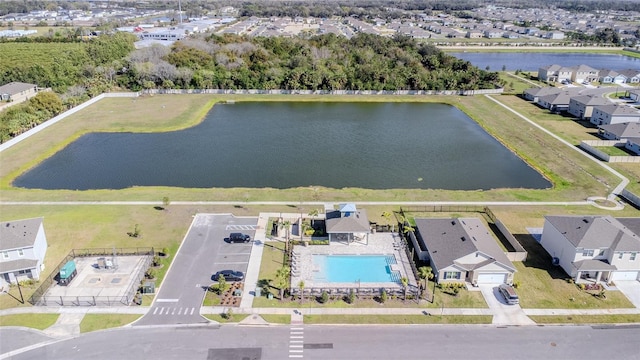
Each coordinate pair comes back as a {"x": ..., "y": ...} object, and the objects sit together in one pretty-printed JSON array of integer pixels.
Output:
[
  {"x": 532, "y": 61},
  {"x": 288, "y": 144}
]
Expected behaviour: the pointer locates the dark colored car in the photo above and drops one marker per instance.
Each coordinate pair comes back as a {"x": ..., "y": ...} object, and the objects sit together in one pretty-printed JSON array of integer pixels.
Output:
[
  {"x": 239, "y": 237},
  {"x": 229, "y": 275}
]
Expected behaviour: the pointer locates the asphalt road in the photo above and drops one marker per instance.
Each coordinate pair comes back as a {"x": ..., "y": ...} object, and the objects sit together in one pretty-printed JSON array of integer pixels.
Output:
[
  {"x": 203, "y": 252},
  {"x": 369, "y": 342}
]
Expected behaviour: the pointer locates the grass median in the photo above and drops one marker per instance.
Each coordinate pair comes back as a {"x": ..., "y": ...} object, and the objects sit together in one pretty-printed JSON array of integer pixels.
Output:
[
  {"x": 34, "y": 321},
  {"x": 397, "y": 319},
  {"x": 586, "y": 319},
  {"x": 94, "y": 322}
]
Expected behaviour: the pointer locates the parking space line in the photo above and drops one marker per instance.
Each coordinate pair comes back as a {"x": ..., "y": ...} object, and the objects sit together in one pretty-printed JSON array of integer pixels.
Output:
[
  {"x": 155, "y": 311},
  {"x": 192, "y": 310},
  {"x": 180, "y": 311}
]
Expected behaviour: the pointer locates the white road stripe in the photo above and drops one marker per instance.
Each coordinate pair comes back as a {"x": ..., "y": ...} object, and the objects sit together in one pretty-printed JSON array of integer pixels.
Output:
[
  {"x": 296, "y": 337},
  {"x": 161, "y": 310},
  {"x": 180, "y": 311},
  {"x": 296, "y": 346},
  {"x": 297, "y": 328},
  {"x": 173, "y": 312},
  {"x": 295, "y": 356},
  {"x": 296, "y": 351},
  {"x": 167, "y": 300},
  {"x": 155, "y": 311},
  {"x": 192, "y": 309},
  {"x": 296, "y": 333}
]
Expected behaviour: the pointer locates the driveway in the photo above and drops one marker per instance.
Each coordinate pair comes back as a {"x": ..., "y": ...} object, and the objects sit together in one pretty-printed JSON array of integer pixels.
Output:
[
  {"x": 630, "y": 289},
  {"x": 503, "y": 314}
]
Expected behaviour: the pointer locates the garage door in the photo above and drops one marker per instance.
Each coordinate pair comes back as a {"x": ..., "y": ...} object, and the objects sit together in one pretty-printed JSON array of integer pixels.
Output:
[
  {"x": 491, "y": 278},
  {"x": 624, "y": 275}
]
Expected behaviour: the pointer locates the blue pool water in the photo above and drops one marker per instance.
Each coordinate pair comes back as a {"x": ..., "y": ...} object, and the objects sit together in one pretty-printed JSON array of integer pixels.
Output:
[{"x": 354, "y": 268}]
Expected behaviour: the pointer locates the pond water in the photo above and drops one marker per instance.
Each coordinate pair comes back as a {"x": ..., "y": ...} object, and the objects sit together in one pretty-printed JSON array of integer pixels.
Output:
[
  {"x": 291, "y": 144},
  {"x": 532, "y": 61}
]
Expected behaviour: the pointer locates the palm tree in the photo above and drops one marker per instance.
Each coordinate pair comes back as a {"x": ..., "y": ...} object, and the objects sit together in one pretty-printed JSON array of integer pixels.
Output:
[
  {"x": 424, "y": 273},
  {"x": 405, "y": 283},
  {"x": 301, "y": 286},
  {"x": 282, "y": 279},
  {"x": 387, "y": 216}
]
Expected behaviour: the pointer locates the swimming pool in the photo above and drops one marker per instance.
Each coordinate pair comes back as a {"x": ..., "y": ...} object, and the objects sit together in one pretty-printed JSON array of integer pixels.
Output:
[{"x": 354, "y": 268}]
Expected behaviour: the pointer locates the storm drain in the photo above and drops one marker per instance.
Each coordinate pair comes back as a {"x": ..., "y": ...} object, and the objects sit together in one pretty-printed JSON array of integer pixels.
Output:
[{"x": 318, "y": 346}]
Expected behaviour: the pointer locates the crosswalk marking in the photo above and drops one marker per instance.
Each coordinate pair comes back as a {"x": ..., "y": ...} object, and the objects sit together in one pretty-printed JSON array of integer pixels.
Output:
[
  {"x": 185, "y": 311},
  {"x": 296, "y": 344},
  {"x": 241, "y": 227}
]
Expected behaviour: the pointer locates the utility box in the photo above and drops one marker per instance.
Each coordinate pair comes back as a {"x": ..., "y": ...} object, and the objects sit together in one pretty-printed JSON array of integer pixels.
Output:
[
  {"x": 258, "y": 291},
  {"x": 67, "y": 273},
  {"x": 149, "y": 287}
]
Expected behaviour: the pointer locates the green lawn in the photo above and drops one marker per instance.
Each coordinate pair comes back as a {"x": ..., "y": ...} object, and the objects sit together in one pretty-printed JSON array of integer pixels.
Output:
[
  {"x": 93, "y": 322},
  {"x": 224, "y": 319},
  {"x": 585, "y": 319},
  {"x": 397, "y": 319},
  {"x": 35, "y": 321}
]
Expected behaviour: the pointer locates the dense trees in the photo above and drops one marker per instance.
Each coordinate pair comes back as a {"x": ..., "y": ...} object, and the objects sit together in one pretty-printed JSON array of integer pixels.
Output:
[
  {"x": 20, "y": 118},
  {"x": 324, "y": 62}
]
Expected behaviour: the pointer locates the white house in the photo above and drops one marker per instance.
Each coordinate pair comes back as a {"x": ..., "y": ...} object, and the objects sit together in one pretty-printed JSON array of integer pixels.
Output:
[
  {"x": 598, "y": 247},
  {"x": 22, "y": 250},
  {"x": 620, "y": 131},
  {"x": 583, "y": 73},
  {"x": 633, "y": 144},
  {"x": 611, "y": 77},
  {"x": 17, "y": 91},
  {"x": 555, "y": 73},
  {"x": 461, "y": 250},
  {"x": 632, "y": 76},
  {"x": 614, "y": 114}
]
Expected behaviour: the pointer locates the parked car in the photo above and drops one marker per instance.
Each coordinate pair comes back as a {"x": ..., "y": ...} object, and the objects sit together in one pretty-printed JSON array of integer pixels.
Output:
[
  {"x": 509, "y": 294},
  {"x": 229, "y": 275},
  {"x": 239, "y": 237}
]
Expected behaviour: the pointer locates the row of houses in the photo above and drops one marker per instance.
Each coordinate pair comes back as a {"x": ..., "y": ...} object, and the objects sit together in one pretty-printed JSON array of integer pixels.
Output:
[
  {"x": 587, "y": 74},
  {"x": 593, "y": 248},
  {"x": 614, "y": 121}
]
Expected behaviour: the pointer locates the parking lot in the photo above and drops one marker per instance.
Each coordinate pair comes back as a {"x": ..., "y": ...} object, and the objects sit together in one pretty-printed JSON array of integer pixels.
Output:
[{"x": 203, "y": 252}]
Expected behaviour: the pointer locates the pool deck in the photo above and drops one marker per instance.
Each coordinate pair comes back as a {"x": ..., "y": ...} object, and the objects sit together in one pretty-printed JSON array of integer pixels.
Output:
[{"x": 302, "y": 267}]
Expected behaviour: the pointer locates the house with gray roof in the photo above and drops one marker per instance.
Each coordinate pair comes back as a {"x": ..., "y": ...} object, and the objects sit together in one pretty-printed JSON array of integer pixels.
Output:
[
  {"x": 347, "y": 224},
  {"x": 555, "y": 73},
  {"x": 614, "y": 114},
  {"x": 594, "y": 247},
  {"x": 17, "y": 92},
  {"x": 23, "y": 247},
  {"x": 555, "y": 102},
  {"x": 611, "y": 77},
  {"x": 633, "y": 144},
  {"x": 582, "y": 106},
  {"x": 620, "y": 131},
  {"x": 461, "y": 249},
  {"x": 534, "y": 94}
]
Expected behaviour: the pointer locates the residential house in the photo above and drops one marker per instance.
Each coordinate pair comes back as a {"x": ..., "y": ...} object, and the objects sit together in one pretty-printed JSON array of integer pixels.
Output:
[
  {"x": 555, "y": 102},
  {"x": 534, "y": 94},
  {"x": 461, "y": 250},
  {"x": 633, "y": 145},
  {"x": 555, "y": 73},
  {"x": 620, "y": 131},
  {"x": 598, "y": 247},
  {"x": 347, "y": 224},
  {"x": 17, "y": 91},
  {"x": 582, "y": 73},
  {"x": 582, "y": 106},
  {"x": 493, "y": 33},
  {"x": 614, "y": 114},
  {"x": 554, "y": 35},
  {"x": 634, "y": 95},
  {"x": 611, "y": 77},
  {"x": 474, "y": 34},
  {"x": 633, "y": 76},
  {"x": 22, "y": 250}
]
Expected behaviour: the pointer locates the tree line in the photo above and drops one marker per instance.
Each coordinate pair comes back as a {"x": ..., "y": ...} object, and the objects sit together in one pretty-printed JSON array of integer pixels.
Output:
[{"x": 77, "y": 71}]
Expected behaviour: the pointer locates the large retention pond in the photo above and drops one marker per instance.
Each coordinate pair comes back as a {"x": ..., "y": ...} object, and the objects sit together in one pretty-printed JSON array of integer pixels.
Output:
[
  {"x": 532, "y": 61},
  {"x": 291, "y": 144}
]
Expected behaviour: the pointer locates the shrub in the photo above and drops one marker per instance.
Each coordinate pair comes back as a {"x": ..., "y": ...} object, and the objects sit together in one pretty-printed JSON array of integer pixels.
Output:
[
  {"x": 324, "y": 298},
  {"x": 383, "y": 296},
  {"x": 351, "y": 298},
  {"x": 150, "y": 274}
]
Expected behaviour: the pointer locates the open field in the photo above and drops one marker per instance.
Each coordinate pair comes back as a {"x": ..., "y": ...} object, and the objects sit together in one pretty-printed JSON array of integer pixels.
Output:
[{"x": 574, "y": 177}]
